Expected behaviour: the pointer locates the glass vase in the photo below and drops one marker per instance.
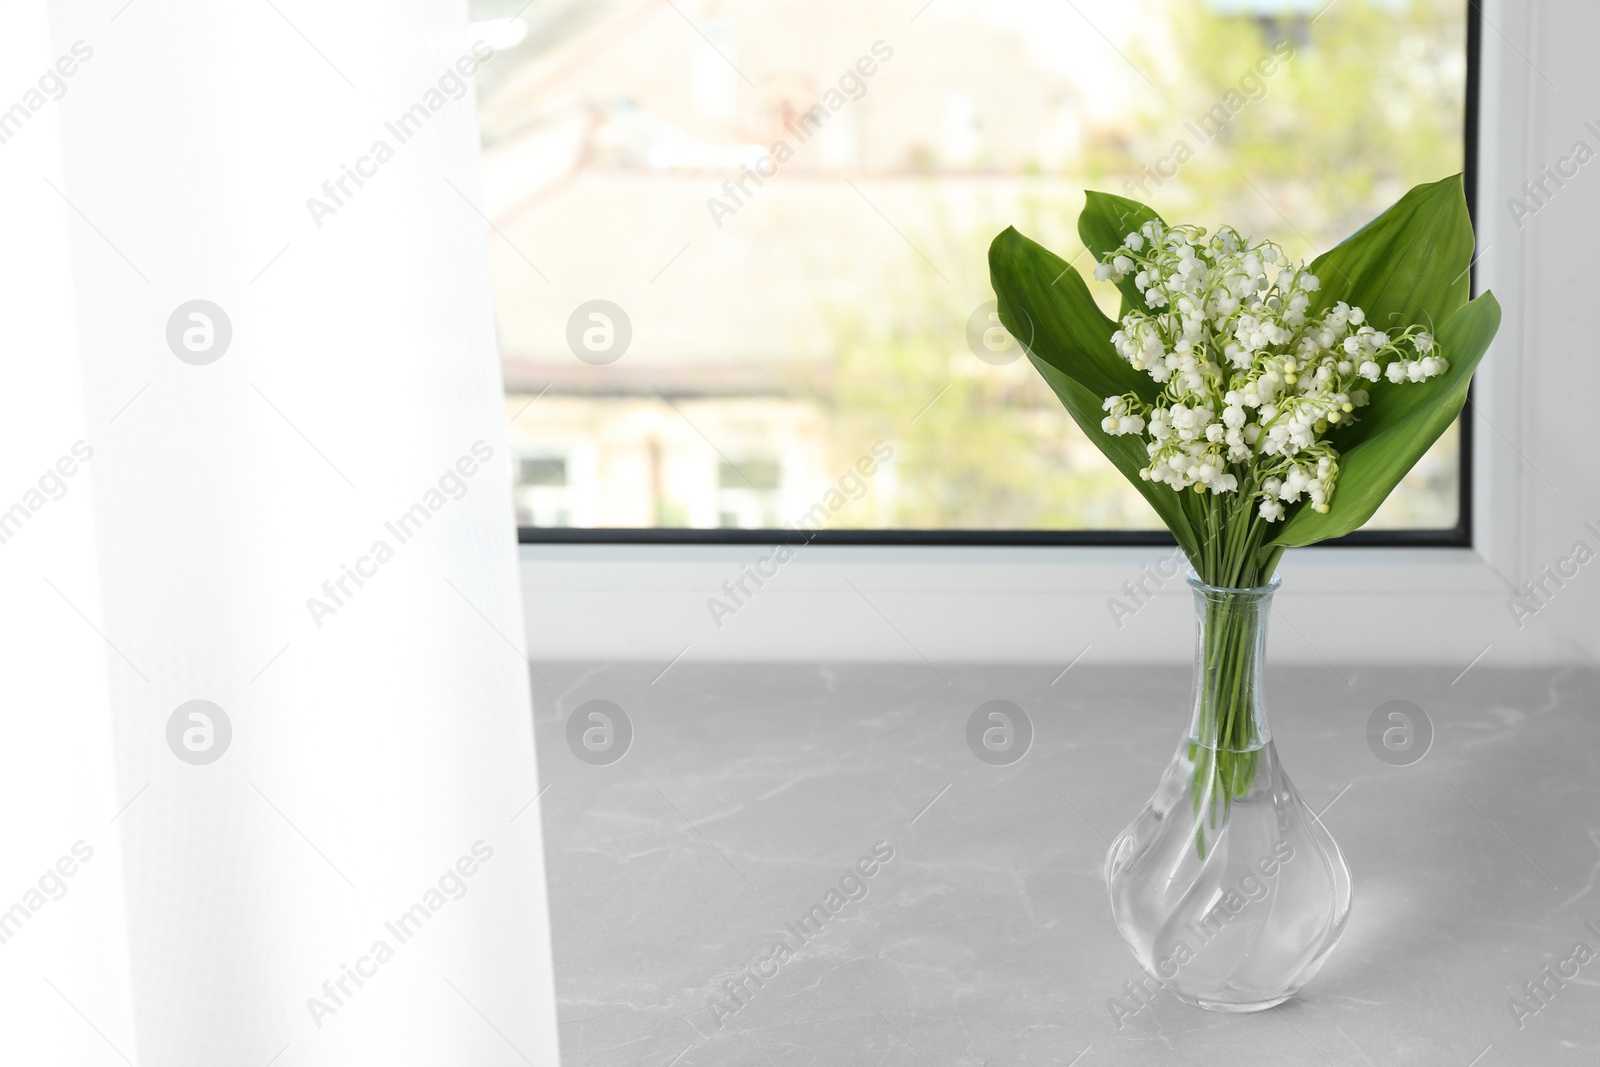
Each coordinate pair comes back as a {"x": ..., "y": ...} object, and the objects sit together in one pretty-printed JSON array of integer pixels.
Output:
[{"x": 1228, "y": 889}]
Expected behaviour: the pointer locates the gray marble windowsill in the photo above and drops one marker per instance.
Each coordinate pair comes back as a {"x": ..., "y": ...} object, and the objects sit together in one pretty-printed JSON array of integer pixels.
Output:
[{"x": 748, "y": 791}]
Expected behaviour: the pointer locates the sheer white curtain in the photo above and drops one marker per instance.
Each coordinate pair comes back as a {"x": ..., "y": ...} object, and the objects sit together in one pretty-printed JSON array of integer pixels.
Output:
[{"x": 288, "y": 501}]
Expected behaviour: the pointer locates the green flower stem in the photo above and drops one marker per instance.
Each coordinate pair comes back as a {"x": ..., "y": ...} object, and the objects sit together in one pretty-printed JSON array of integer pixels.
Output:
[{"x": 1227, "y": 737}]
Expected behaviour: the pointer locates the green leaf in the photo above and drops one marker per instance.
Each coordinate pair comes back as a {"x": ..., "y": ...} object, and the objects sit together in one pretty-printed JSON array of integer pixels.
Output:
[
  {"x": 1127, "y": 452},
  {"x": 1106, "y": 221},
  {"x": 1406, "y": 267},
  {"x": 1413, "y": 415},
  {"x": 1046, "y": 306}
]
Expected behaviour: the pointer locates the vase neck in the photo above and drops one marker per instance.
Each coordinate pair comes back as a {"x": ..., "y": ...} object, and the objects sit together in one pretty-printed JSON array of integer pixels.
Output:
[{"x": 1229, "y": 666}]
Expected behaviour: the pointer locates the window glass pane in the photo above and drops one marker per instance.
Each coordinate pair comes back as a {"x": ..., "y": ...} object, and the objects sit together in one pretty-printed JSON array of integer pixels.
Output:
[{"x": 739, "y": 245}]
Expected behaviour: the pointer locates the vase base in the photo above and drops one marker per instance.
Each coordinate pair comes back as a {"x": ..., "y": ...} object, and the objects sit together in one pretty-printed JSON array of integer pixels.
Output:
[{"x": 1233, "y": 1007}]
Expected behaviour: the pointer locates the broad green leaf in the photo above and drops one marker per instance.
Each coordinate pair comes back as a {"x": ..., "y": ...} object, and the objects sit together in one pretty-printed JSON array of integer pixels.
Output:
[
  {"x": 1406, "y": 267},
  {"x": 1046, "y": 306},
  {"x": 1126, "y": 452},
  {"x": 1106, "y": 221},
  {"x": 1416, "y": 415}
]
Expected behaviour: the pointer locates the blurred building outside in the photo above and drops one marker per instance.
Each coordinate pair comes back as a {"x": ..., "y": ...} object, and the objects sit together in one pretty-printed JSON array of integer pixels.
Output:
[{"x": 790, "y": 201}]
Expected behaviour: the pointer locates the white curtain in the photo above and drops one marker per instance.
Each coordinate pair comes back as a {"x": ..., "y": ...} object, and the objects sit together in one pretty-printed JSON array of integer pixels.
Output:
[{"x": 310, "y": 531}]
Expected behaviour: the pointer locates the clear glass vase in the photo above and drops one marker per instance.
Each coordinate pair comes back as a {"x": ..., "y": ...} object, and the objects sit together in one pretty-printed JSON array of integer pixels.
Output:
[{"x": 1228, "y": 889}]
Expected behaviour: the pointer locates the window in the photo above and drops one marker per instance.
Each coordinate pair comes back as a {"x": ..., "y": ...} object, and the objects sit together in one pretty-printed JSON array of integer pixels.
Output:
[
  {"x": 747, "y": 493},
  {"x": 740, "y": 250},
  {"x": 543, "y": 493}
]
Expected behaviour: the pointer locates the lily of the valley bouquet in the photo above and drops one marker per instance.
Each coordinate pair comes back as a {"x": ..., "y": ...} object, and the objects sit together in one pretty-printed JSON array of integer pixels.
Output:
[{"x": 1256, "y": 403}]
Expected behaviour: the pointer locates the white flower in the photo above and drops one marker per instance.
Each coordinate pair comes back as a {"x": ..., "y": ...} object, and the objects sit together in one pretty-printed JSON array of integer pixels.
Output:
[
  {"x": 1251, "y": 382},
  {"x": 1123, "y": 415}
]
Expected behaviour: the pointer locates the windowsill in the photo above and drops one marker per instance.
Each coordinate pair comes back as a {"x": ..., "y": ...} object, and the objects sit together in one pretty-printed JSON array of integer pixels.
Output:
[
  {"x": 1005, "y": 604},
  {"x": 992, "y": 912}
]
